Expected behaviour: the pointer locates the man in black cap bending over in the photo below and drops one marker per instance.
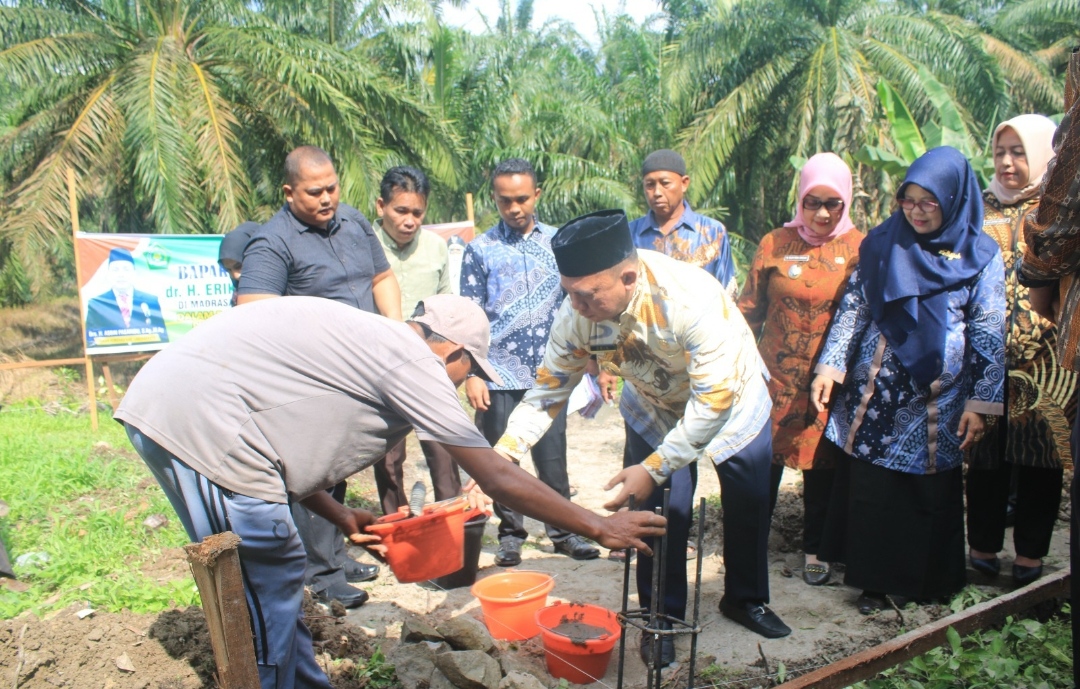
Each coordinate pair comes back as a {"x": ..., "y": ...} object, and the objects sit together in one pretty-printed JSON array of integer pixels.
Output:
[{"x": 694, "y": 386}]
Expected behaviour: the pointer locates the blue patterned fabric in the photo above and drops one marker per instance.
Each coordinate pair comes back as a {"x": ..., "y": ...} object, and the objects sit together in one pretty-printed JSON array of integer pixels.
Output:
[
  {"x": 880, "y": 414},
  {"x": 697, "y": 239},
  {"x": 515, "y": 280}
]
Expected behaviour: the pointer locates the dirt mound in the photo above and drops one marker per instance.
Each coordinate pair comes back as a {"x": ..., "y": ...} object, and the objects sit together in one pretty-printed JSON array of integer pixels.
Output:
[{"x": 170, "y": 650}]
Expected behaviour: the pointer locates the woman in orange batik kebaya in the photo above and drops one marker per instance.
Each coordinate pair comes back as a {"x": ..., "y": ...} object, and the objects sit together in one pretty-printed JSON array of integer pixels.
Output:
[{"x": 793, "y": 287}]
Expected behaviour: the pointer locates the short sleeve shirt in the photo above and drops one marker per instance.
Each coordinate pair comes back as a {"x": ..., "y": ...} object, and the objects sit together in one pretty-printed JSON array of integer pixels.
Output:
[
  {"x": 421, "y": 268},
  {"x": 287, "y": 257},
  {"x": 286, "y": 397}
]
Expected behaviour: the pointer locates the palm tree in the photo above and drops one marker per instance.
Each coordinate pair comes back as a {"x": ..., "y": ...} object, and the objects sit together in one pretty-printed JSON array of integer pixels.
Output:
[
  {"x": 176, "y": 115},
  {"x": 538, "y": 94},
  {"x": 765, "y": 81}
]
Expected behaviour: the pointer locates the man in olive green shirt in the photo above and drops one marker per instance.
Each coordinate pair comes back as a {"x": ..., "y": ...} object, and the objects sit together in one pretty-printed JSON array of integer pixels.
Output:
[{"x": 418, "y": 258}]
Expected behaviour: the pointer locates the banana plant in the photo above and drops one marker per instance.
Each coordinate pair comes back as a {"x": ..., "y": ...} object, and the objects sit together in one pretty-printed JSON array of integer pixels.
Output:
[{"x": 909, "y": 140}]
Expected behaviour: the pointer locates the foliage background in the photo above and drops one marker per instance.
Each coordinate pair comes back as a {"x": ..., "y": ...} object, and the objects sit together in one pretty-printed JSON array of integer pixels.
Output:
[{"x": 176, "y": 114}]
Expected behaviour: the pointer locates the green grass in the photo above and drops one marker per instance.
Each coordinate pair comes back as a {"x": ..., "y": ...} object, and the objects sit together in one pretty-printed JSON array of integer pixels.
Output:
[{"x": 81, "y": 498}]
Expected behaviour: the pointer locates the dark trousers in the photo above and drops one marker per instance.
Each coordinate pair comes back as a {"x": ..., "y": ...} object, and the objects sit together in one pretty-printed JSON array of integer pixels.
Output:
[
  {"x": 323, "y": 543},
  {"x": 1038, "y": 497},
  {"x": 817, "y": 491},
  {"x": 271, "y": 559},
  {"x": 1074, "y": 551},
  {"x": 745, "y": 481},
  {"x": 548, "y": 455},
  {"x": 390, "y": 475}
]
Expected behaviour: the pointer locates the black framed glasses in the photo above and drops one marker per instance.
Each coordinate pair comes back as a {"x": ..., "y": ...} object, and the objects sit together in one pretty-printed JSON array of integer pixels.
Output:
[
  {"x": 812, "y": 203},
  {"x": 926, "y": 205}
]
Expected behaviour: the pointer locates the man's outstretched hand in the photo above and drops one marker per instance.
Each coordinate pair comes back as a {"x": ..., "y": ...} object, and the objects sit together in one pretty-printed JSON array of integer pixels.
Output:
[{"x": 626, "y": 529}]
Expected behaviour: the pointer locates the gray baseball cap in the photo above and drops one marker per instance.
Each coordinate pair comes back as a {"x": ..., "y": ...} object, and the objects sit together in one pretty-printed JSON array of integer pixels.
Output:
[{"x": 463, "y": 322}]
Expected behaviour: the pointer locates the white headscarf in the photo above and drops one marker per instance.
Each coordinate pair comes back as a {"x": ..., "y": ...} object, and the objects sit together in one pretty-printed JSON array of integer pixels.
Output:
[{"x": 1037, "y": 134}]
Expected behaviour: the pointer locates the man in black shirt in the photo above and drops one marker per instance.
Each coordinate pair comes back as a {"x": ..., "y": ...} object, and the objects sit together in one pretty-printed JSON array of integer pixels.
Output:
[{"x": 317, "y": 246}]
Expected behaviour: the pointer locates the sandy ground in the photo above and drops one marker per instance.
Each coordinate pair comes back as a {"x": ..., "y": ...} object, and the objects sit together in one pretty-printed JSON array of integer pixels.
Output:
[{"x": 825, "y": 623}]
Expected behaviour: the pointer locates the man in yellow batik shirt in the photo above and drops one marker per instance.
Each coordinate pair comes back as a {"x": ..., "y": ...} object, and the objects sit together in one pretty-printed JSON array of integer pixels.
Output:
[{"x": 694, "y": 386}]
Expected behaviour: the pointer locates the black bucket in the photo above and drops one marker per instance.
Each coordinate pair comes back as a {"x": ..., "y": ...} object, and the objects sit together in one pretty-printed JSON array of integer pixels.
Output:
[{"x": 466, "y": 576}]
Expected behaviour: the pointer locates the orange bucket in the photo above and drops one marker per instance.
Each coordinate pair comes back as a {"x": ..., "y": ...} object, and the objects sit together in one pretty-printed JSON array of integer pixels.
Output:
[
  {"x": 428, "y": 546},
  {"x": 578, "y": 640},
  {"x": 510, "y": 601}
]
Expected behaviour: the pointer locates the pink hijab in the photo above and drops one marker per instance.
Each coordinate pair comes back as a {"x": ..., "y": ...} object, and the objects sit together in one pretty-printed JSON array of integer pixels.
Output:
[
  {"x": 824, "y": 170},
  {"x": 1037, "y": 134}
]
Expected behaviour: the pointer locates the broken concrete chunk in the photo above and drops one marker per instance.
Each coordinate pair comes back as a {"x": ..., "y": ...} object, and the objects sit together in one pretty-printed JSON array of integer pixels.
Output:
[
  {"x": 125, "y": 664},
  {"x": 439, "y": 681},
  {"x": 466, "y": 634},
  {"x": 155, "y": 521},
  {"x": 470, "y": 669},
  {"x": 415, "y": 630},
  {"x": 414, "y": 664},
  {"x": 521, "y": 680}
]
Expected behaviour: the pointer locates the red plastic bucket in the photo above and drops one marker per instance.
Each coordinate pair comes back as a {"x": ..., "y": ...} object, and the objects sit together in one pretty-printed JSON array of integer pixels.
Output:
[
  {"x": 510, "y": 600},
  {"x": 428, "y": 546},
  {"x": 578, "y": 640}
]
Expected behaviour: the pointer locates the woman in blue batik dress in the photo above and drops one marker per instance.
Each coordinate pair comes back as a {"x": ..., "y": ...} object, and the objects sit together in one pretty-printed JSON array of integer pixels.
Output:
[{"x": 914, "y": 359}]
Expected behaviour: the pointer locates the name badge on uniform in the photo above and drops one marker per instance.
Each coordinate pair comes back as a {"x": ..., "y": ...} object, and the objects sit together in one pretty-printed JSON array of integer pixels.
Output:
[
  {"x": 796, "y": 258},
  {"x": 594, "y": 348}
]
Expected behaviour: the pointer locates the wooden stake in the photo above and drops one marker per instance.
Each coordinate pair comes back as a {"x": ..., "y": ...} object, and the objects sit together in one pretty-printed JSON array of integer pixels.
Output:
[
  {"x": 73, "y": 208},
  {"x": 215, "y": 565},
  {"x": 469, "y": 209},
  {"x": 868, "y": 663},
  {"x": 110, "y": 389}
]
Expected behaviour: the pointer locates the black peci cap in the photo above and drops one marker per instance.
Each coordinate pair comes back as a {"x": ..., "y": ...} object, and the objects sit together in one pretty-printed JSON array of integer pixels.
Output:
[{"x": 592, "y": 243}]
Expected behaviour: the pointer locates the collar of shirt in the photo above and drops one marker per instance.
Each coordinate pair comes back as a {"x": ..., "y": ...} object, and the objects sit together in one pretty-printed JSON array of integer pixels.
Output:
[
  {"x": 511, "y": 236},
  {"x": 390, "y": 245},
  {"x": 301, "y": 226},
  {"x": 689, "y": 219}
]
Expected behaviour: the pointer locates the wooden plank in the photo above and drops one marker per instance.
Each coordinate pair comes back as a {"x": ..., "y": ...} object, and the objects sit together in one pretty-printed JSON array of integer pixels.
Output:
[
  {"x": 15, "y": 365},
  {"x": 216, "y": 567},
  {"x": 868, "y": 663},
  {"x": 110, "y": 389},
  {"x": 73, "y": 208}
]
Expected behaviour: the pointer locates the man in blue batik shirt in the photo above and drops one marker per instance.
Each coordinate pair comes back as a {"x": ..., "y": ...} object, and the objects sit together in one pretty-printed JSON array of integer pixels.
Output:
[
  {"x": 510, "y": 272},
  {"x": 673, "y": 228}
]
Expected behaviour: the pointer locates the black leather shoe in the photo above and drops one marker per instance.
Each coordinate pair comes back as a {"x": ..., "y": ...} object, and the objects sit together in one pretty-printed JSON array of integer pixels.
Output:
[
  {"x": 509, "y": 554},
  {"x": 988, "y": 566},
  {"x": 577, "y": 548},
  {"x": 356, "y": 572},
  {"x": 869, "y": 602},
  {"x": 816, "y": 574},
  {"x": 349, "y": 596},
  {"x": 1023, "y": 576},
  {"x": 756, "y": 617},
  {"x": 667, "y": 647}
]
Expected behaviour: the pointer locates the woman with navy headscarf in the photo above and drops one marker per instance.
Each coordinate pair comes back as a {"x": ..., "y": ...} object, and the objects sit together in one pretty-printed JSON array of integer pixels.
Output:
[{"x": 914, "y": 360}]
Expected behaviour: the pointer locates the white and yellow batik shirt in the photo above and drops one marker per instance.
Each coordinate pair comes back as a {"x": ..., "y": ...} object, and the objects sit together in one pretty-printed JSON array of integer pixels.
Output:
[{"x": 694, "y": 381}]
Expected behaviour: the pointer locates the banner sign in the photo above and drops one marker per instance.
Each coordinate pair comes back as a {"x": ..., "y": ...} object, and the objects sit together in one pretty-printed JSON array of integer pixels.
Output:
[
  {"x": 141, "y": 292},
  {"x": 463, "y": 229}
]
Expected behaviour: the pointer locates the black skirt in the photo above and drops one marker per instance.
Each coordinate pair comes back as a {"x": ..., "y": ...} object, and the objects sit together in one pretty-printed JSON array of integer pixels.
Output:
[{"x": 897, "y": 533}]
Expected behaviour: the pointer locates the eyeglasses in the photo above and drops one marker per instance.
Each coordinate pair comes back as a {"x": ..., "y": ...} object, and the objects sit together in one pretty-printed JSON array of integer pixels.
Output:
[
  {"x": 812, "y": 203},
  {"x": 925, "y": 206}
]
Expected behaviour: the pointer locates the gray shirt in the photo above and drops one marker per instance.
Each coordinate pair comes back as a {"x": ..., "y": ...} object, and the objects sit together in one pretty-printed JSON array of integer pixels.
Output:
[
  {"x": 287, "y": 257},
  {"x": 291, "y": 396}
]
